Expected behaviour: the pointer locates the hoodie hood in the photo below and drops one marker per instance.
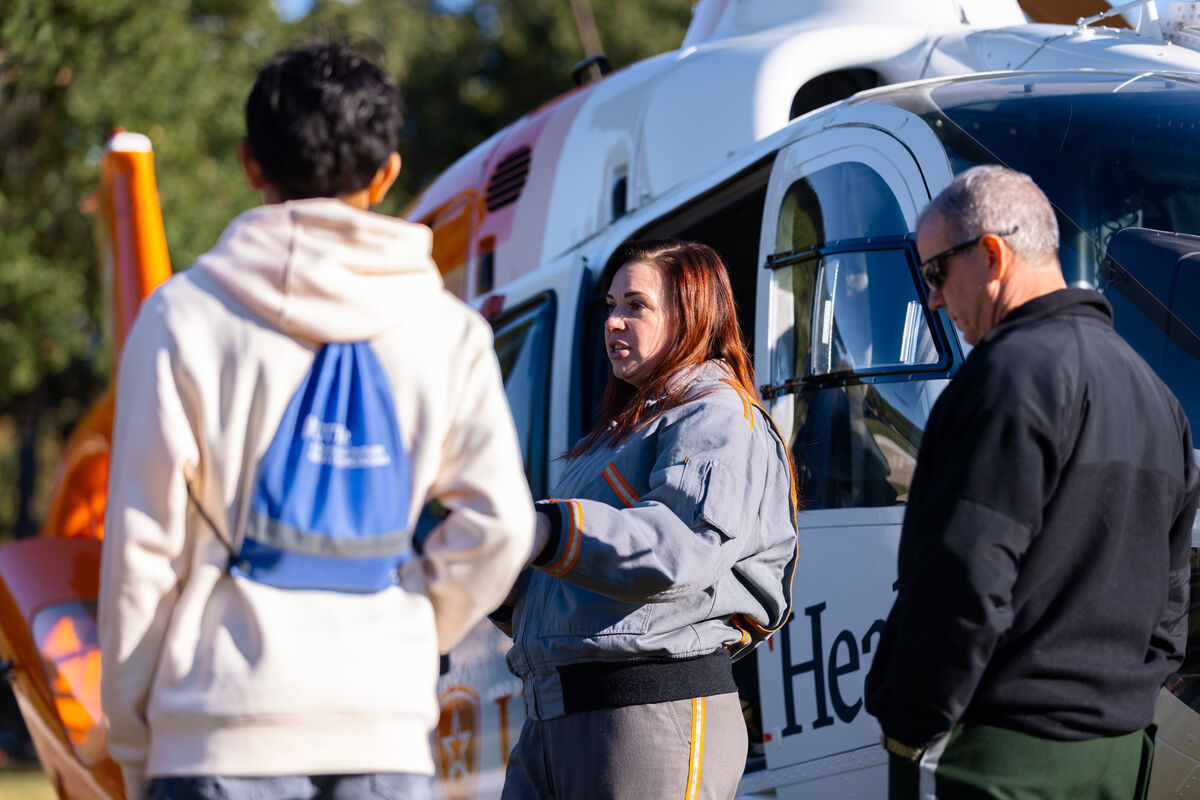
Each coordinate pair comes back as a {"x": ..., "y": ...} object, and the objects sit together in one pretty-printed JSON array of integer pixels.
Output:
[{"x": 323, "y": 270}]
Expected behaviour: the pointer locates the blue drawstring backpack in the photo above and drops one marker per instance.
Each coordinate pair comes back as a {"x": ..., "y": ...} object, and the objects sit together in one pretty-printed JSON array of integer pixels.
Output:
[{"x": 330, "y": 508}]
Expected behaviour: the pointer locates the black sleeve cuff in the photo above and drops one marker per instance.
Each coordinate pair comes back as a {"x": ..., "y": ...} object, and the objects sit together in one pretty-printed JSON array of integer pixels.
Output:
[
  {"x": 553, "y": 510},
  {"x": 502, "y": 617}
]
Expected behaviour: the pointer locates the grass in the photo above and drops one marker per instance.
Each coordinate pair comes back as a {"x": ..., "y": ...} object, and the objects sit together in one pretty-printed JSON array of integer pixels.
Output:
[{"x": 25, "y": 783}]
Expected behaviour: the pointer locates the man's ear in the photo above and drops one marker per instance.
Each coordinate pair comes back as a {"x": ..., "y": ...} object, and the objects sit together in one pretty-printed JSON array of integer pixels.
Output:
[
  {"x": 250, "y": 166},
  {"x": 385, "y": 176},
  {"x": 999, "y": 255}
]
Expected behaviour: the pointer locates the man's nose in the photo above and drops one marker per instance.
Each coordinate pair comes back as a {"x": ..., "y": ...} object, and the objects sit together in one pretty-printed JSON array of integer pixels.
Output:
[{"x": 935, "y": 300}]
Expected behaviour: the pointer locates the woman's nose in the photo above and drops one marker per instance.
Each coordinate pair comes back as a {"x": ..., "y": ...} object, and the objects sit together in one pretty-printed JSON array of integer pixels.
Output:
[{"x": 614, "y": 322}]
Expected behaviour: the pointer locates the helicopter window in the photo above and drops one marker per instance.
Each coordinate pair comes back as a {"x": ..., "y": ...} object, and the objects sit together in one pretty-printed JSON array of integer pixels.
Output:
[
  {"x": 856, "y": 445},
  {"x": 842, "y": 258},
  {"x": 859, "y": 353},
  {"x": 843, "y": 201},
  {"x": 523, "y": 349},
  {"x": 861, "y": 325},
  {"x": 867, "y": 314},
  {"x": 1180, "y": 362}
]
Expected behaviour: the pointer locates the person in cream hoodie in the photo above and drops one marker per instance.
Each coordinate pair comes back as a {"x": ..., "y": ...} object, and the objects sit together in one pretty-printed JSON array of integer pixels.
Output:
[{"x": 269, "y": 627}]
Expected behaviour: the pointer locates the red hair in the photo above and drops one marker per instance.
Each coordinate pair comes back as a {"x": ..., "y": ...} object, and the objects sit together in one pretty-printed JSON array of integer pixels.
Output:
[{"x": 701, "y": 301}]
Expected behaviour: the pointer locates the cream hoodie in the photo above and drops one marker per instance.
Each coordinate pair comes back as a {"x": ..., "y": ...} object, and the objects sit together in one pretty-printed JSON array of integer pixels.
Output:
[{"x": 205, "y": 674}]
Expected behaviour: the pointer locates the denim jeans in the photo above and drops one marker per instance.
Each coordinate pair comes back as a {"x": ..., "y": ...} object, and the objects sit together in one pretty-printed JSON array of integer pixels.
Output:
[{"x": 376, "y": 786}]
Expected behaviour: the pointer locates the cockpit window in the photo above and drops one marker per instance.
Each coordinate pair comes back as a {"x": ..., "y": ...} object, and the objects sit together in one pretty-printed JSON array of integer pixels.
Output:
[
  {"x": 1110, "y": 154},
  {"x": 1111, "y": 151}
]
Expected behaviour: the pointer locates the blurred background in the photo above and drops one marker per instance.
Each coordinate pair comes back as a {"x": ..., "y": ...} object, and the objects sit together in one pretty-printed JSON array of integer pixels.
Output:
[{"x": 178, "y": 71}]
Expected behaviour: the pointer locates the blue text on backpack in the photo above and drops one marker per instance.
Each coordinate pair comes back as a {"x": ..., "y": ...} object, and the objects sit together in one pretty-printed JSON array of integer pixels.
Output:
[{"x": 331, "y": 502}]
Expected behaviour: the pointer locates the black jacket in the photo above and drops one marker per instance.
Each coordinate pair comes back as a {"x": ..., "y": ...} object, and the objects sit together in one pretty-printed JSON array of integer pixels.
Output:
[{"x": 1043, "y": 567}]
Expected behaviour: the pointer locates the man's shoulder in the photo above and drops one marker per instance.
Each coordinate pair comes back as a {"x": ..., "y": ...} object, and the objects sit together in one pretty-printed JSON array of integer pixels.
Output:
[
  {"x": 1025, "y": 354},
  {"x": 1020, "y": 375},
  {"x": 1072, "y": 346}
]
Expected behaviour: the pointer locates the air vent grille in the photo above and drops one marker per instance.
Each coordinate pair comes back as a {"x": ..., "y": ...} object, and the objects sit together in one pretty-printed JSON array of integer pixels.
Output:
[{"x": 508, "y": 179}]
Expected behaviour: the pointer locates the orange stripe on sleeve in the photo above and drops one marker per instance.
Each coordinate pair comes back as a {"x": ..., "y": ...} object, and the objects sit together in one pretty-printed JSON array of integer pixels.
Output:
[
  {"x": 616, "y": 489},
  {"x": 613, "y": 486},
  {"x": 577, "y": 526},
  {"x": 557, "y": 567},
  {"x": 628, "y": 489},
  {"x": 571, "y": 554},
  {"x": 745, "y": 636}
]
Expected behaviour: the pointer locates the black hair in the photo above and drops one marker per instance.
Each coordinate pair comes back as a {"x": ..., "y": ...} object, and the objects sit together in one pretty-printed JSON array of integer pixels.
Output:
[{"x": 321, "y": 121}]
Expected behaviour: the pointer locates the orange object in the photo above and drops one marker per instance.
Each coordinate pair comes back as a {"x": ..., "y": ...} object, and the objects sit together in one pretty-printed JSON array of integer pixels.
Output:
[
  {"x": 136, "y": 262},
  {"x": 1065, "y": 12},
  {"x": 77, "y": 502},
  {"x": 67, "y": 638},
  {"x": 49, "y": 585},
  {"x": 453, "y": 224},
  {"x": 48, "y": 588},
  {"x": 137, "y": 242}
]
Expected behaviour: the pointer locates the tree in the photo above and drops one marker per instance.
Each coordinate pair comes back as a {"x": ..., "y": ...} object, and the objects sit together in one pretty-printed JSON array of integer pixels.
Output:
[{"x": 69, "y": 73}]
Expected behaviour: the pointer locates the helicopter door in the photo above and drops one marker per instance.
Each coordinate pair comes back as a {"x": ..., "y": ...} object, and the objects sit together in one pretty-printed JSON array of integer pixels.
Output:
[{"x": 852, "y": 362}]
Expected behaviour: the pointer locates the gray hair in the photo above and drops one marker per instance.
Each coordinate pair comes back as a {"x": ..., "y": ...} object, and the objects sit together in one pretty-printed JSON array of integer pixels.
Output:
[{"x": 992, "y": 199}]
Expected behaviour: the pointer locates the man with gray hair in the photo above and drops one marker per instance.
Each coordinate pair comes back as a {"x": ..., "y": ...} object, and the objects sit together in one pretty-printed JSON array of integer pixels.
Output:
[{"x": 1043, "y": 565}]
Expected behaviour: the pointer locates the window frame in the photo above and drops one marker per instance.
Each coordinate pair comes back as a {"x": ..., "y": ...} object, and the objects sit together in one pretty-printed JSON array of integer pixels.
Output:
[
  {"x": 542, "y": 305},
  {"x": 946, "y": 345}
]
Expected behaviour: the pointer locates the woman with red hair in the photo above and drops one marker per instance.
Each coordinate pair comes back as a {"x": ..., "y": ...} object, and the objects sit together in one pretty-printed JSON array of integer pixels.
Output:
[{"x": 667, "y": 554}]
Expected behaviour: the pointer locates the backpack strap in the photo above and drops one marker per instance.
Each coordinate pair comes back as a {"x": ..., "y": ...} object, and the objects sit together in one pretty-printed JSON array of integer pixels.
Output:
[{"x": 204, "y": 515}]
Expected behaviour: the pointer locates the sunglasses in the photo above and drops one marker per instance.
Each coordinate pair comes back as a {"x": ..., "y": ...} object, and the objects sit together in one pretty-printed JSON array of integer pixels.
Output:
[{"x": 933, "y": 269}]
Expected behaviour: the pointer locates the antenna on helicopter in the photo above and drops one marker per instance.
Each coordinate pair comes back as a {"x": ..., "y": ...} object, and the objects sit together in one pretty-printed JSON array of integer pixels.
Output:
[
  {"x": 595, "y": 63},
  {"x": 1147, "y": 24}
]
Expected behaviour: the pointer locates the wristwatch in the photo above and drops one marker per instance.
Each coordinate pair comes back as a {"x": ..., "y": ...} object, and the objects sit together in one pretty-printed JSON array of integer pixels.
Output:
[{"x": 899, "y": 748}]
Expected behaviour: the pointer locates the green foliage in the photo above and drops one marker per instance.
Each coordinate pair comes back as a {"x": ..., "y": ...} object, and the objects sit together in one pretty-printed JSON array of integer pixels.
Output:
[
  {"x": 69, "y": 73},
  {"x": 179, "y": 71}
]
